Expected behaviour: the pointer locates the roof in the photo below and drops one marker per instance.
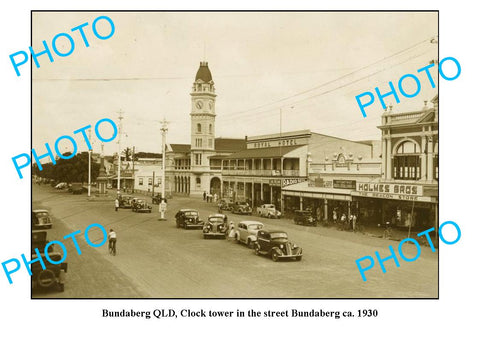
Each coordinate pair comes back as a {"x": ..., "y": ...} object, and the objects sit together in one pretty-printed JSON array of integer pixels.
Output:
[
  {"x": 39, "y": 210},
  {"x": 203, "y": 72},
  {"x": 264, "y": 152},
  {"x": 230, "y": 144},
  {"x": 181, "y": 148}
]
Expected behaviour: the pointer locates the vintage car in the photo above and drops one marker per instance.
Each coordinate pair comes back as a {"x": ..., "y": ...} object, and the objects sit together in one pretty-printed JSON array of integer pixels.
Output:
[
  {"x": 224, "y": 204},
  {"x": 246, "y": 232},
  {"x": 304, "y": 217},
  {"x": 53, "y": 274},
  {"x": 157, "y": 199},
  {"x": 241, "y": 208},
  {"x": 188, "y": 219},
  {"x": 215, "y": 226},
  {"x": 41, "y": 219},
  {"x": 140, "y": 205},
  {"x": 61, "y": 186},
  {"x": 268, "y": 210},
  {"x": 276, "y": 245},
  {"x": 76, "y": 188},
  {"x": 125, "y": 201}
]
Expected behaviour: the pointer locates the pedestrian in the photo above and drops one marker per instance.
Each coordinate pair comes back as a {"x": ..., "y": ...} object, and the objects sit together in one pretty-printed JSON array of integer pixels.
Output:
[
  {"x": 343, "y": 219},
  {"x": 231, "y": 231},
  {"x": 204, "y": 195},
  {"x": 350, "y": 221},
  {"x": 215, "y": 197},
  {"x": 112, "y": 242},
  {"x": 354, "y": 223},
  {"x": 335, "y": 216},
  {"x": 117, "y": 204}
]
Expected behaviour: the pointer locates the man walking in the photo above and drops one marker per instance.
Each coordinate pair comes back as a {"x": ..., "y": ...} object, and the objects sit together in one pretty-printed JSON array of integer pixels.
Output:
[
  {"x": 117, "y": 204},
  {"x": 204, "y": 195}
]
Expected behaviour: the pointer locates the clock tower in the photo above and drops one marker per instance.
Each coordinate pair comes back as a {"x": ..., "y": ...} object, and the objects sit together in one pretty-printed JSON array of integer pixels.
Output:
[{"x": 202, "y": 129}]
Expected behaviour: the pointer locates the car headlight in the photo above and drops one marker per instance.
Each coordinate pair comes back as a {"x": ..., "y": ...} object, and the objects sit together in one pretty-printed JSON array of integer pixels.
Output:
[
  {"x": 281, "y": 246},
  {"x": 294, "y": 246}
]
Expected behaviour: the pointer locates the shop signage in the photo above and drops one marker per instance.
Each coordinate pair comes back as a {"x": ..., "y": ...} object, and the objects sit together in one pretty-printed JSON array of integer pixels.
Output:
[
  {"x": 290, "y": 181},
  {"x": 390, "y": 188},
  {"x": 344, "y": 184},
  {"x": 277, "y": 143},
  {"x": 275, "y": 182}
]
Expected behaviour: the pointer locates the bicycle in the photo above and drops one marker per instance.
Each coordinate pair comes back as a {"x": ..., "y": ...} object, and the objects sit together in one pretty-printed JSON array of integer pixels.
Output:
[{"x": 112, "y": 247}]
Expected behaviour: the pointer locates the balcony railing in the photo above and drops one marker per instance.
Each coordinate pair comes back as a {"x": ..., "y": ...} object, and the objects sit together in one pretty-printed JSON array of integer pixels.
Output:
[{"x": 258, "y": 172}]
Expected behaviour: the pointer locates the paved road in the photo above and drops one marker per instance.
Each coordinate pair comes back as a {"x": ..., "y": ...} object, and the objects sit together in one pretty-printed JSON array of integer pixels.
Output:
[{"x": 155, "y": 259}]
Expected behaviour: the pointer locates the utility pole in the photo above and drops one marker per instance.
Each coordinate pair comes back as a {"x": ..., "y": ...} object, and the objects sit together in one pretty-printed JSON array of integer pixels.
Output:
[
  {"x": 163, "y": 205},
  {"x": 153, "y": 185},
  {"x": 89, "y": 164},
  {"x": 133, "y": 169},
  {"x": 119, "y": 161}
]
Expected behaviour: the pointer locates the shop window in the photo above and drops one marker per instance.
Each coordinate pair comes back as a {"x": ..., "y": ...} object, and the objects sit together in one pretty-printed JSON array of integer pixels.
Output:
[
  {"x": 149, "y": 180},
  {"x": 140, "y": 181}
]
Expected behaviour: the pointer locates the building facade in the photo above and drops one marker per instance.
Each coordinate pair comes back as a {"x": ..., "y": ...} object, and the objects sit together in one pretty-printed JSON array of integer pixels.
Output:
[{"x": 272, "y": 162}]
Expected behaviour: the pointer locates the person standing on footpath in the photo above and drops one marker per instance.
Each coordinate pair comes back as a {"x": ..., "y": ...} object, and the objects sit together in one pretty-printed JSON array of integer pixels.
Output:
[
  {"x": 117, "y": 204},
  {"x": 204, "y": 195}
]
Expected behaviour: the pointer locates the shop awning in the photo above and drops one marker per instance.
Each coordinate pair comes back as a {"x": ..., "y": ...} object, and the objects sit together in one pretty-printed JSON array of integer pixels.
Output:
[{"x": 303, "y": 190}]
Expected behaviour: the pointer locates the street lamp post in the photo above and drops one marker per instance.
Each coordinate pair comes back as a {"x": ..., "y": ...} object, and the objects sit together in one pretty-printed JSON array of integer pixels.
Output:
[
  {"x": 119, "y": 160},
  {"x": 163, "y": 205}
]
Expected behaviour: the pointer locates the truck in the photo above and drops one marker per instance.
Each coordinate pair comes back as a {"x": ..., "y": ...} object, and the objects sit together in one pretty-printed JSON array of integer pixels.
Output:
[{"x": 268, "y": 210}]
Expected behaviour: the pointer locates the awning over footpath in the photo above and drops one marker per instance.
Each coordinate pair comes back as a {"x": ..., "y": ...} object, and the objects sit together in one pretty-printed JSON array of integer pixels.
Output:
[
  {"x": 303, "y": 190},
  {"x": 264, "y": 152}
]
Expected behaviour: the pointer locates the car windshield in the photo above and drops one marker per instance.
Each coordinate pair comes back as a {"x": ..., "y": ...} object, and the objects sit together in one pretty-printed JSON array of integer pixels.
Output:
[
  {"x": 270, "y": 206},
  {"x": 191, "y": 213},
  {"x": 279, "y": 235},
  {"x": 255, "y": 226},
  {"x": 216, "y": 219},
  {"x": 42, "y": 214}
]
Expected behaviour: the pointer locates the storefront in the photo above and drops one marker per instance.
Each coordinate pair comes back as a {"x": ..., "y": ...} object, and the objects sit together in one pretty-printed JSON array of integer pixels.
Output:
[{"x": 404, "y": 205}]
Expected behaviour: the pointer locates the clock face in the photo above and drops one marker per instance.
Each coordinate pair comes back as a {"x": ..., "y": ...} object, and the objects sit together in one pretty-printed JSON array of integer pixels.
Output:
[{"x": 199, "y": 104}]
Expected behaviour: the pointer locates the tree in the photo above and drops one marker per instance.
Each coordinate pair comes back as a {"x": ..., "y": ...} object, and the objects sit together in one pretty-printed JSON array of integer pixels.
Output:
[
  {"x": 70, "y": 170},
  {"x": 127, "y": 154}
]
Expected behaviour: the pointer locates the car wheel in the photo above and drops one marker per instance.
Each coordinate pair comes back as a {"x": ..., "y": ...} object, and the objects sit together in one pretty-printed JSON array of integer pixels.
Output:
[
  {"x": 257, "y": 249},
  {"x": 249, "y": 243},
  {"x": 61, "y": 287},
  {"x": 274, "y": 256},
  {"x": 299, "y": 258},
  {"x": 237, "y": 239},
  {"x": 269, "y": 216},
  {"x": 46, "y": 278}
]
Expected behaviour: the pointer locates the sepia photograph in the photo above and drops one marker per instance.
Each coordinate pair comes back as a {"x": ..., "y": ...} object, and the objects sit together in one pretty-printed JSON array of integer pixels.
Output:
[{"x": 234, "y": 154}]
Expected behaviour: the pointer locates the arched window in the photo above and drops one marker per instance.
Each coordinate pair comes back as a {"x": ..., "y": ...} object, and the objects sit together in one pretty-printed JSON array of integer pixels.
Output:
[
  {"x": 210, "y": 129},
  {"x": 199, "y": 127},
  {"x": 406, "y": 161}
]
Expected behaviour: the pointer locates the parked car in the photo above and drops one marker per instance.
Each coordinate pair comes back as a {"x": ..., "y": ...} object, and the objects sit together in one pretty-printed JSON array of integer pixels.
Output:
[
  {"x": 304, "y": 217},
  {"x": 215, "y": 226},
  {"x": 61, "y": 186},
  {"x": 76, "y": 188},
  {"x": 188, "y": 218},
  {"x": 125, "y": 201},
  {"x": 157, "y": 199},
  {"x": 224, "y": 204},
  {"x": 41, "y": 219},
  {"x": 268, "y": 210},
  {"x": 53, "y": 274},
  {"x": 241, "y": 208},
  {"x": 140, "y": 205},
  {"x": 246, "y": 232},
  {"x": 276, "y": 245}
]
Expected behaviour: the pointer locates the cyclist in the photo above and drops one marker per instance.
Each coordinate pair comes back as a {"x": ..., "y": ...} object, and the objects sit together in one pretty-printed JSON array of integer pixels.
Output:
[{"x": 112, "y": 241}]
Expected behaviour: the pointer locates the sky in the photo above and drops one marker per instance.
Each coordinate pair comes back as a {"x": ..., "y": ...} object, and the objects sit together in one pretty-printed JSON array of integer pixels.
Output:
[{"x": 307, "y": 65}]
